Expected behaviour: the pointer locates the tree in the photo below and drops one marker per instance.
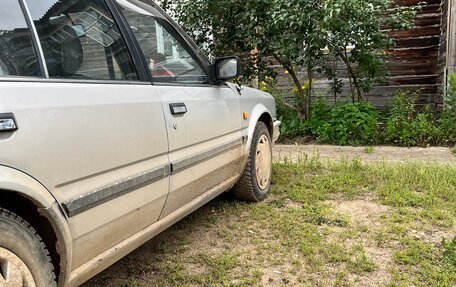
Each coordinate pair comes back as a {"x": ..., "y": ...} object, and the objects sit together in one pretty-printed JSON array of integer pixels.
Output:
[
  {"x": 296, "y": 33},
  {"x": 223, "y": 27},
  {"x": 295, "y": 40},
  {"x": 364, "y": 26},
  {"x": 286, "y": 30}
]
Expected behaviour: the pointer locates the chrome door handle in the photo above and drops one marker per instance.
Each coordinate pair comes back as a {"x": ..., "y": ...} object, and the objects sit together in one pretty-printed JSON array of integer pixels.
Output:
[
  {"x": 178, "y": 108},
  {"x": 7, "y": 123}
]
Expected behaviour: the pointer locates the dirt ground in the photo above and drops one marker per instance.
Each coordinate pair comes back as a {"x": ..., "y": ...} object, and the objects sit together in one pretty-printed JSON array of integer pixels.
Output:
[
  {"x": 198, "y": 244},
  {"x": 441, "y": 155}
]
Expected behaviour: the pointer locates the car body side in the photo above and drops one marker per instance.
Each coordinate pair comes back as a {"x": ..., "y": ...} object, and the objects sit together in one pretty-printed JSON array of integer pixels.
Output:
[
  {"x": 32, "y": 198},
  {"x": 260, "y": 108}
]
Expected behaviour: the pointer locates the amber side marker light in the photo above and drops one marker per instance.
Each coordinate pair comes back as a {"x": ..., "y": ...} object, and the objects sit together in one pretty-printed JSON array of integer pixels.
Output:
[{"x": 246, "y": 116}]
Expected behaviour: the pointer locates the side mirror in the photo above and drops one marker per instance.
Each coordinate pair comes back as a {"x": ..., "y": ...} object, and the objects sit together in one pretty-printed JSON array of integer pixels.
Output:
[{"x": 227, "y": 68}]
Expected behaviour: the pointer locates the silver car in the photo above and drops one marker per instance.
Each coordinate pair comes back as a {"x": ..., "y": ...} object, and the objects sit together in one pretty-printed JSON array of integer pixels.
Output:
[{"x": 113, "y": 126}]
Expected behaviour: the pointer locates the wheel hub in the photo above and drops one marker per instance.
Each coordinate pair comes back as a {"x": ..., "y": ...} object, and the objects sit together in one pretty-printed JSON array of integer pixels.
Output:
[
  {"x": 263, "y": 162},
  {"x": 13, "y": 271}
]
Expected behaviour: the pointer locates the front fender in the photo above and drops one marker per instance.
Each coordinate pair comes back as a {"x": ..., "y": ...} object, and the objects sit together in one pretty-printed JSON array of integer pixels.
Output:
[{"x": 255, "y": 115}]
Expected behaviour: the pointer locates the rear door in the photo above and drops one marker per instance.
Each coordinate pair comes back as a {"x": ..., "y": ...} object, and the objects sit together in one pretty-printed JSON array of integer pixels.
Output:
[
  {"x": 203, "y": 120},
  {"x": 88, "y": 128}
]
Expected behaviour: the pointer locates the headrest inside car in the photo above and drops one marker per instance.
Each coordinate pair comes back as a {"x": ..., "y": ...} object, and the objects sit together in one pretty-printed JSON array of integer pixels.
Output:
[{"x": 64, "y": 53}]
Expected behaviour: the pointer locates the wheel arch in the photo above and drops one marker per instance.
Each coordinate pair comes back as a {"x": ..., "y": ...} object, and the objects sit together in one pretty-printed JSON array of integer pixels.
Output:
[
  {"x": 266, "y": 118},
  {"x": 27, "y": 198},
  {"x": 259, "y": 114}
]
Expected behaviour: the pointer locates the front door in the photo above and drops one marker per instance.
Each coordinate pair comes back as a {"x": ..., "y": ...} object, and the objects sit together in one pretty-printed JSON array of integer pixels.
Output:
[{"x": 203, "y": 121}]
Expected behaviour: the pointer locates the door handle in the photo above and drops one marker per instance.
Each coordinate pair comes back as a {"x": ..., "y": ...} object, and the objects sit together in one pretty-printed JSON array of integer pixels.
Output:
[
  {"x": 7, "y": 123},
  {"x": 178, "y": 108}
]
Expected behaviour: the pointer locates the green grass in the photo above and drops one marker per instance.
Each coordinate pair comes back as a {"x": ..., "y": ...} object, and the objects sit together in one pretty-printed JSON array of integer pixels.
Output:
[
  {"x": 303, "y": 236},
  {"x": 369, "y": 150}
]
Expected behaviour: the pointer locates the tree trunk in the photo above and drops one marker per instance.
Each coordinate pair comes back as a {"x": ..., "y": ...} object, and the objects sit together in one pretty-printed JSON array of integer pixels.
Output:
[
  {"x": 302, "y": 110},
  {"x": 302, "y": 101},
  {"x": 335, "y": 80},
  {"x": 309, "y": 90},
  {"x": 354, "y": 85}
]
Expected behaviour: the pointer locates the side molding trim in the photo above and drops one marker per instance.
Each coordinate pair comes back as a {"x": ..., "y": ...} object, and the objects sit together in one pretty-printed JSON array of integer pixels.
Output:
[
  {"x": 193, "y": 160},
  {"x": 93, "y": 199},
  {"x": 79, "y": 205}
]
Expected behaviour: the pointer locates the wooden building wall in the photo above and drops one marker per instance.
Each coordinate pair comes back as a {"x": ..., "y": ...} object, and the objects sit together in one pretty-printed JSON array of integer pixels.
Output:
[{"x": 413, "y": 64}]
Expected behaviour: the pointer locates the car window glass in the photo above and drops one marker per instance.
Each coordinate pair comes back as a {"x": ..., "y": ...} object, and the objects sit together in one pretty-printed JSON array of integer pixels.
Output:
[
  {"x": 80, "y": 40},
  {"x": 17, "y": 56},
  {"x": 168, "y": 58}
]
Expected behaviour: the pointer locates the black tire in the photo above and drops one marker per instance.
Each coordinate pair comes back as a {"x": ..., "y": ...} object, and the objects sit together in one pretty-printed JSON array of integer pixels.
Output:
[
  {"x": 248, "y": 189},
  {"x": 19, "y": 238}
]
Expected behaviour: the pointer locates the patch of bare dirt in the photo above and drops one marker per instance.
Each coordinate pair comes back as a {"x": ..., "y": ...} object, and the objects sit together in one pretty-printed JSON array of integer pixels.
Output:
[
  {"x": 383, "y": 259},
  {"x": 361, "y": 211},
  {"x": 367, "y": 213},
  {"x": 434, "y": 237},
  {"x": 379, "y": 154}
]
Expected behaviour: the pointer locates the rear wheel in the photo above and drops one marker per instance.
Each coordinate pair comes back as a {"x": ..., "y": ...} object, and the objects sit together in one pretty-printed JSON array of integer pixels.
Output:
[
  {"x": 24, "y": 260},
  {"x": 255, "y": 182}
]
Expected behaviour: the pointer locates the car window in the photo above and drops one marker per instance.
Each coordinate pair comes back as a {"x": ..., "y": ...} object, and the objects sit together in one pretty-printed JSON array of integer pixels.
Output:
[
  {"x": 168, "y": 58},
  {"x": 81, "y": 40},
  {"x": 17, "y": 55}
]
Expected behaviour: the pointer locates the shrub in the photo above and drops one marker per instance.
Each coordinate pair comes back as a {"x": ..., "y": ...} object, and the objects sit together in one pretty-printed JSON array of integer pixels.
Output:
[
  {"x": 350, "y": 123},
  {"x": 358, "y": 123},
  {"x": 407, "y": 127},
  {"x": 318, "y": 117},
  {"x": 292, "y": 124},
  {"x": 447, "y": 122},
  {"x": 427, "y": 129},
  {"x": 400, "y": 123},
  {"x": 450, "y": 99}
]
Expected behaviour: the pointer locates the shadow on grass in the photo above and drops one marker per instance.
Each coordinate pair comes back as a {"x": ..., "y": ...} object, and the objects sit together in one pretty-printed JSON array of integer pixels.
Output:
[{"x": 150, "y": 257}]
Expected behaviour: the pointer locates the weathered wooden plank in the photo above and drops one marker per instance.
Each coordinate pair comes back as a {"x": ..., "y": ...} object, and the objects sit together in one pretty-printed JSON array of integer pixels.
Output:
[
  {"x": 428, "y": 19},
  {"x": 413, "y": 80},
  {"x": 415, "y": 2},
  {"x": 414, "y": 68},
  {"x": 416, "y": 32},
  {"x": 429, "y": 9},
  {"x": 420, "y": 53},
  {"x": 417, "y": 42}
]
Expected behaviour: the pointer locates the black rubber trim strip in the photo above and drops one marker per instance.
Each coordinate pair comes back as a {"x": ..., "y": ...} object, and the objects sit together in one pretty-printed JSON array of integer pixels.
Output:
[
  {"x": 103, "y": 195},
  {"x": 193, "y": 160},
  {"x": 130, "y": 40},
  {"x": 21, "y": 79}
]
